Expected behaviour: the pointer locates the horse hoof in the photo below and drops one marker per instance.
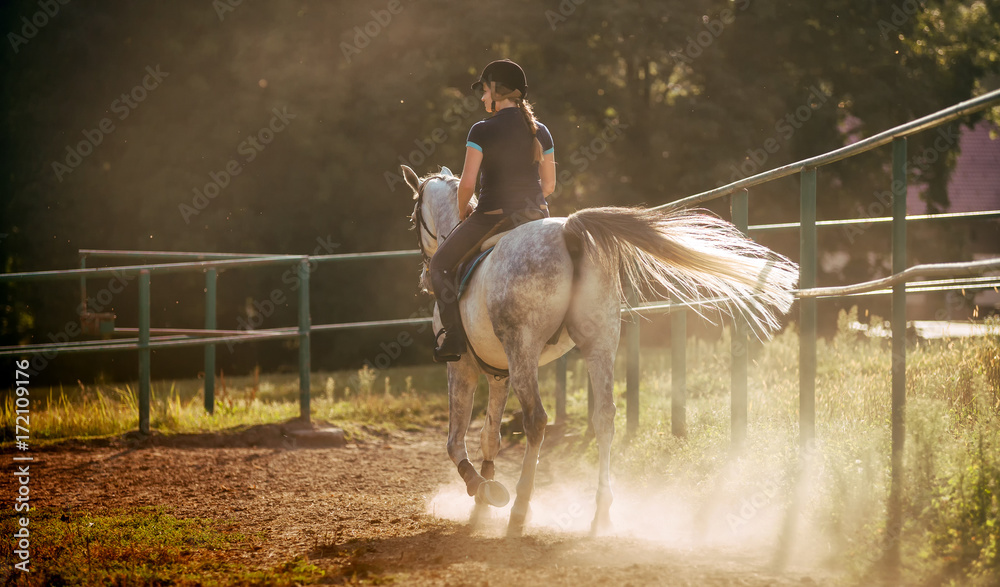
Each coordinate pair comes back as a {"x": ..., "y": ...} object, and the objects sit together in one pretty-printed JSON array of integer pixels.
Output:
[
  {"x": 601, "y": 527},
  {"x": 515, "y": 527},
  {"x": 492, "y": 493}
]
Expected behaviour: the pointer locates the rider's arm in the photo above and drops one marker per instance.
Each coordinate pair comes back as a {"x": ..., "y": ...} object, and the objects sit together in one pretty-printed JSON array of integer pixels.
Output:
[
  {"x": 473, "y": 159},
  {"x": 547, "y": 173}
]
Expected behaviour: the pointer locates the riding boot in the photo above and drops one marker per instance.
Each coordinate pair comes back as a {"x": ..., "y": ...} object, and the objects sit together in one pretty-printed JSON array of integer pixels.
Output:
[{"x": 454, "y": 344}]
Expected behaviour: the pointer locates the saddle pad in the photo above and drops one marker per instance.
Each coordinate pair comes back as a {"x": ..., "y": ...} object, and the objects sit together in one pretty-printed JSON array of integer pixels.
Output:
[
  {"x": 493, "y": 240},
  {"x": 469, "y": 268}
]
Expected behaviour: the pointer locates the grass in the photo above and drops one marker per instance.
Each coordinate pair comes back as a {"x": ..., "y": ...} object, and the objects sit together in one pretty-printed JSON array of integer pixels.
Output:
[
  {"x": 359, "y": 404},
  {"x": 951, "y": 488},
  {"x": 144, "y": 546}
]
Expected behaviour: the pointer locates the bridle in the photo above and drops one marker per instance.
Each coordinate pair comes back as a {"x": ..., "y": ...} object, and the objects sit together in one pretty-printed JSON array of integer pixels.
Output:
[{"x": 421, "y": 225}]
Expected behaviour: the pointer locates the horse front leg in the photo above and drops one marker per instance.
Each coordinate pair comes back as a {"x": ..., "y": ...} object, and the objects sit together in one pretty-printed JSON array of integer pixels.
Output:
[
  {"x": 490, "y": 438},
  {"x": 491, "y": 492},
  {"x": 463, "y": 377}
]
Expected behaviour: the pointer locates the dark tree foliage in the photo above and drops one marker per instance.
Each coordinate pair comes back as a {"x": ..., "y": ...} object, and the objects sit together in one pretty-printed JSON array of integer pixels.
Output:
[{"x": 315, "y": 104}]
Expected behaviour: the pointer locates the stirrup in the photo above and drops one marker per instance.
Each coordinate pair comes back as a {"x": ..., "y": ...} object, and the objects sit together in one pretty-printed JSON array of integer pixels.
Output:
[{"x": 440, "y": 354}]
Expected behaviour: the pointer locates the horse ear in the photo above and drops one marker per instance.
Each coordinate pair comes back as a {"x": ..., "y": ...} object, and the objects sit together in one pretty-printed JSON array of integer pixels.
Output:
[
  {"x": 411, "y": 178},
  {"x": 446, "y": 171}
]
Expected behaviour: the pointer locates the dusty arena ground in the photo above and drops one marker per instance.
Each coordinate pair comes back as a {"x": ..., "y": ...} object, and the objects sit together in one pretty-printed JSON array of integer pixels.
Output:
[{"x": 387, "y": 510}]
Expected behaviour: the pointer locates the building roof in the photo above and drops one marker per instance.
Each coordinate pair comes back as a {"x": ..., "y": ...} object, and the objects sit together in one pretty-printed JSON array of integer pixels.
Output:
[{"x": 975, "y": 182}]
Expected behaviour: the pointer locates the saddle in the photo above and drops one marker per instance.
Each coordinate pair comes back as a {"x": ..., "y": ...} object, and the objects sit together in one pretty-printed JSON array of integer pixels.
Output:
[
  {"x": 474, "y": 258},
  {"x": 467, "y": 265}
]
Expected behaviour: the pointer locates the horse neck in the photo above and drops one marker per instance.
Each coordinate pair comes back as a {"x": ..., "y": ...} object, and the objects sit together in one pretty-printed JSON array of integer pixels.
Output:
[{"x": 444, "y": 210}]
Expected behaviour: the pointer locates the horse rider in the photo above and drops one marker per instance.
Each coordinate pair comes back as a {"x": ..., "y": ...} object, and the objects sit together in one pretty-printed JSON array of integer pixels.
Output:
[{"x": 512, "y": 154}]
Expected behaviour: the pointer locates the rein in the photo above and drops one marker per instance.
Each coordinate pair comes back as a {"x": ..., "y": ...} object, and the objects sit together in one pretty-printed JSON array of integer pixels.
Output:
[
  {"x": 418, "y": 213},
  {"x": 419, "y": 221}
]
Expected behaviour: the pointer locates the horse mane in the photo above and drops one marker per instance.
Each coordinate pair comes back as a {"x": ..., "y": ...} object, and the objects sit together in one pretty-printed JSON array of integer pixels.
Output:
[{"x": 450, "y": 178}]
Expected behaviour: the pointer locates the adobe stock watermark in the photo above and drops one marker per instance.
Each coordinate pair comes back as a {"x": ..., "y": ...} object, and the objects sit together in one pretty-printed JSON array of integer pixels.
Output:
[
  {"x": 751, "y": 504},
  {"x": 565, "y": 519},
  {"x": 72, "y": 330},
  {"x": 389, "y": 352},
  {"x": 900, "y": 14},
  {"x": 122, "y": 106},
  {"x": 364, "y": 34},
  {"x": 565, "y": 9},
  {"x": 392, "y": 349},
  {"x": 454, "y": 118},
  {"x": 47, "y": 10},
  {"x": 947, "y": 137},
  {"x": 785, "y": 127},
  {"x": 584, "y": 156},
  {"x": 882, "y": 204},
  {"x": 249, "y": 148},
  {"x": 953, "y": 302},
  {"x": 260, "y": 310},
  {"x": 223, "y": 7},
  {"x": 714, "y": 28}
]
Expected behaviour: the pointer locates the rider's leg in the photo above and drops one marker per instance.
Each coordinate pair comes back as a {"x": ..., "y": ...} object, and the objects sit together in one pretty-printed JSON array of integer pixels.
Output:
[{"x": 444, "y": 279}]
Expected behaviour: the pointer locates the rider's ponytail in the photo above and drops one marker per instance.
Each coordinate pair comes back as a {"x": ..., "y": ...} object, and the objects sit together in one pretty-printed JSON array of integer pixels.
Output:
[{"x": 532, "y": 122}]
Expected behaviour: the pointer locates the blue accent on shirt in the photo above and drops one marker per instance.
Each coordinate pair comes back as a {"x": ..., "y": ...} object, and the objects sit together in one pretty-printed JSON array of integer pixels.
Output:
[{"x": 474, "y": 146}]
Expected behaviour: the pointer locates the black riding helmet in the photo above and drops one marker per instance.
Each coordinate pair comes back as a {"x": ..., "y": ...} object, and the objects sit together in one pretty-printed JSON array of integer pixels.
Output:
[{"x": 504, "y": 72}]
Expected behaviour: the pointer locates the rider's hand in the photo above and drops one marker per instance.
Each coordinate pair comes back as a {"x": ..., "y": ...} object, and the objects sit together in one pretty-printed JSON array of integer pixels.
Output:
[{"x": 463, "y": 214}]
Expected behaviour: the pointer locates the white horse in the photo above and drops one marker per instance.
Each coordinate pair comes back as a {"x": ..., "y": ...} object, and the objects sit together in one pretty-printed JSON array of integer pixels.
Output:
[{"x": 556, "y": 283}]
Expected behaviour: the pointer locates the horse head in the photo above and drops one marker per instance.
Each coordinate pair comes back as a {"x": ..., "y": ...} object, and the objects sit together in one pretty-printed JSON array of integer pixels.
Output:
[{"x": 435, "y": 212}]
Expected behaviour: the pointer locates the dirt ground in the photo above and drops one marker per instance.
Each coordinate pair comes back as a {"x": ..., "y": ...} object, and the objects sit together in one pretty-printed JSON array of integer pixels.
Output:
[{"x": 392, "y": 509}]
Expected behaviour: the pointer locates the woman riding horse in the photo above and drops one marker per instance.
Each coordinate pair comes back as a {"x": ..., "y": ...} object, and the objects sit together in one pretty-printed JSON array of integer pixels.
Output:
[{"x": 514, "y": 152}]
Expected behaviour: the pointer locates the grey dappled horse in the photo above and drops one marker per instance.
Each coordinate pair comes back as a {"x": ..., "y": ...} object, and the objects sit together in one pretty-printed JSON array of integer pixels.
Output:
[{"x": 572, "y": 272}]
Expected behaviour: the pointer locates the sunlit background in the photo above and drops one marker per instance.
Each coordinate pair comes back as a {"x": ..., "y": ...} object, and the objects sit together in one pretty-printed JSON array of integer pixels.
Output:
[{"x": 279, "y": 127}]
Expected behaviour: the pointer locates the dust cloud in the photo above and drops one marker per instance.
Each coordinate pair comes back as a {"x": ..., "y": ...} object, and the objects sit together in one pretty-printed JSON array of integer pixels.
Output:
[{"x": 741, "y": 512}]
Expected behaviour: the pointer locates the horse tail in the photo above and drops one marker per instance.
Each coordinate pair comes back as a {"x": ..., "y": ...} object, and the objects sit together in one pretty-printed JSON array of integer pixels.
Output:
[{"x": 687, "y": 254}]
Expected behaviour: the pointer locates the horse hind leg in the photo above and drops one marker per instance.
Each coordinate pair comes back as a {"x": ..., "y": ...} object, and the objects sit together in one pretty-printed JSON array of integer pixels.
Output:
[
  {"x": 524, "y": 380},
  {"x": 601, "y": 368},
  {"x": 595, "y": 326}
]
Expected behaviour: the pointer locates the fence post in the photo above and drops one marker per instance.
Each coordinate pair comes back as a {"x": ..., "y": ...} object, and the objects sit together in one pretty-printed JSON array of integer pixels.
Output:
[
  {"x": 590, "y": 406},
  {"x": 738, "y": 343},
  {"x": 895, "y": 521},
  {"x": 211, "y": 277},
  {"x": 305, "y": 325},
  {"x": 144, "y": 390},
  {"x": 632, "y": 368},
  {"x": 807, "y": 308},
  {"x": 678, "y": 365},
  {"x": 83, "y": 284},
  {"x": 561, "y": 364}
]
